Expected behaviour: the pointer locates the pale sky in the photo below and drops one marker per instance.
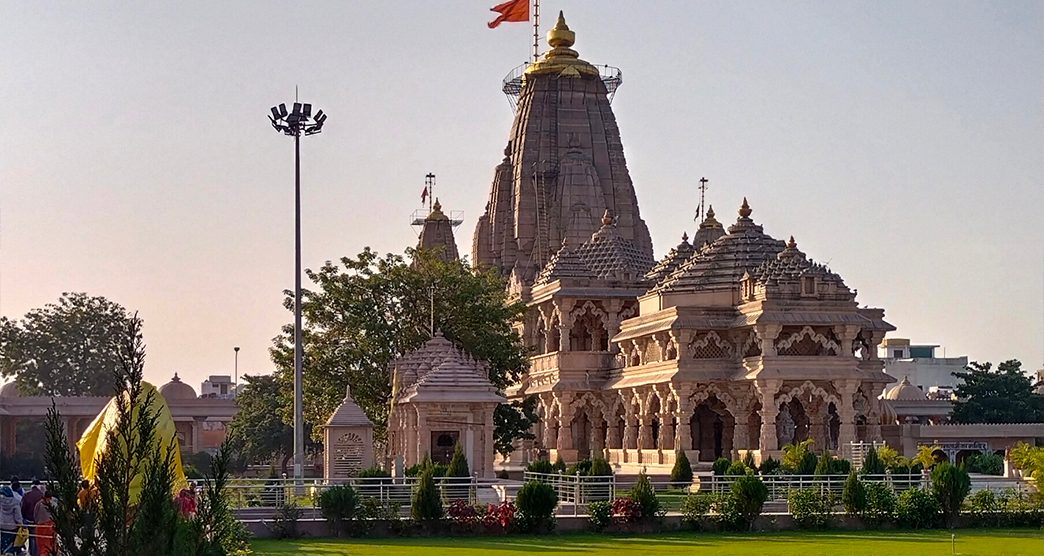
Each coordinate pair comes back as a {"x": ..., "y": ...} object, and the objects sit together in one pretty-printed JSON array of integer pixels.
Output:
[{"x": 901, "y": 142}]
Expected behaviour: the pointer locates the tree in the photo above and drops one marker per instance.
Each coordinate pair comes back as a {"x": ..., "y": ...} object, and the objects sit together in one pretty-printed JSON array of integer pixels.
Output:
[
  {"x": 365, "y": 312},
  {"x": 872, "y": 464},
  {"x": 1002, "y": 396},
  {"x": 682, "y": 470},
  {"x": 854, "y": 494},
  {"x": 259, "y": 431},
  {"x": 950, "y": 485},
  {"x": 68, "y": 348}
]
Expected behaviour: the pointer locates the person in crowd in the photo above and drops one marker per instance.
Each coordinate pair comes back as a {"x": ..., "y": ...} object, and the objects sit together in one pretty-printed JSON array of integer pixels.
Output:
[
  {"x": 87, "y": 497},
  {"x": 44, "y": 525},
  {"x": 16, "y": 488},
  {"x": 29, "y": 502},
  {"x": 10, "y": 518},
  {"x": 186, "y": 503}
]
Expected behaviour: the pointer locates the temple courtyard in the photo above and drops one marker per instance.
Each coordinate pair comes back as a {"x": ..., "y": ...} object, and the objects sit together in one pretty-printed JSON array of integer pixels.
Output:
[{"x": 922, "y": 543}]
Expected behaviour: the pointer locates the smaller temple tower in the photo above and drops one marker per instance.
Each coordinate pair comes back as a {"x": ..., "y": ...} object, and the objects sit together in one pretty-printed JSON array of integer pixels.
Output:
[
  {"x": 437, "y": 233},
  {"x": 348, "y": 438}
]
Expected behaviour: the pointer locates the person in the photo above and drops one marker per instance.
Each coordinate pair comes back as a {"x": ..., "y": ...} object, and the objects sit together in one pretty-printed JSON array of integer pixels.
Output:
[
  {"x": 86, "y": 497},
  {"x": 10, "y": 518},
  {"x": 16, "y": 488},
  {"x": 186, "y": 503},
  {"x": 44, "y": 525},
  {"x": 29, "y": 502}
]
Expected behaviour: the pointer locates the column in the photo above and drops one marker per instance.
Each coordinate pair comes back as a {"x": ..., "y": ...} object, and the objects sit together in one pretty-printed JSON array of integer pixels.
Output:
[
  {"x": 487, "y": 445},
  {"x": 565, "y": 323},
  {"x": 768, "y": 333},
  {"x": 424, "y": 436},
  {"x": 683, "y": 430},
  {"x": 645, "y": 440},
  {"x": 565, "y": 429},
  {"x": 598, "y": 433},
  {"x": 666, "y": 439},
  {"x": 847, "y": 431},
  {"x": 769, "y": 410},
  {"x": 612, "y": 433},
  {"x": 741, "y": 433},
  {"x": 196, "y": 429},
  {"x": 630, "y": 430}
]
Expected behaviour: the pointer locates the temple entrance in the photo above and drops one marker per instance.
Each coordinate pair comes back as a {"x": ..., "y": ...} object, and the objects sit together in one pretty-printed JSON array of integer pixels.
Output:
[
  {"x": 711, "y": 427},
  {"x": 442, "y": 445},
  {"x": 792, "y": 423},
  {"x": 582, "y": 435}
]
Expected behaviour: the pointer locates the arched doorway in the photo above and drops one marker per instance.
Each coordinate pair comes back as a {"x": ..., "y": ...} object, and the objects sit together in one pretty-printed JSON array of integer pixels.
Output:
[{"x": 711, "y": 428}]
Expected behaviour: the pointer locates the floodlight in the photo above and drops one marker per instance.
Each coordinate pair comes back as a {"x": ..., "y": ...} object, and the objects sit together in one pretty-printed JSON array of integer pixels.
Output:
[
  {"x": 282, "y": 110},
  {"x": 319, "y": 115},
  {"x": 307, "y": 110},
  {"x": 297, "y": 108},
  {"x": 275, "y": 113}
]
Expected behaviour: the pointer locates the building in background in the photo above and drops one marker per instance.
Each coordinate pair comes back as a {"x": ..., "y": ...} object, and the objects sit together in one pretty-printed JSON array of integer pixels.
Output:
[
  {"x": 218, "y": 386},
  {"x": 920, "y": 366}
]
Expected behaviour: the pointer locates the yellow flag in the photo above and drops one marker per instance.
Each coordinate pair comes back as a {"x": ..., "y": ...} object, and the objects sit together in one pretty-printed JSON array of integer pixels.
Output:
[{"x": 94, "y": 441}]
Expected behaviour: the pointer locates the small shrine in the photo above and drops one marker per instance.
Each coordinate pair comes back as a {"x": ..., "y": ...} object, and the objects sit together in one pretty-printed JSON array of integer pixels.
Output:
[
  {"x": 348, "y": 438},
  {"x": 442, "y": 398}
]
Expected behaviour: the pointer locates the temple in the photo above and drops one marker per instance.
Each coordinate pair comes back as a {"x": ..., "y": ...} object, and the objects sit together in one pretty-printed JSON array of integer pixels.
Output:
[{"x": 736, "y": 342}]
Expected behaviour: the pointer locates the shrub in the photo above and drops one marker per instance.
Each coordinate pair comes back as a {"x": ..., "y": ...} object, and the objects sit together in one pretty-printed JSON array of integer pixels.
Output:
[
  {"x": 872, "y": 464},
  {"x": 560, "y": 465},
  {"x": 880, "y": 504},
  {"x": 644, "y": 495},
  {"x": 888, "y": 456},
  {"x": 338, "y": 505},
  {"x": 727, "y": 513},
  {"x": 464, "y": 513},
  {"x": 695, "y": 506},
  {"x": 917, "y": 509},
  {"x": 807, "y": 465},
  {"x": 500, "y": 516},
  {"x": 736, "y": 468},
  {"x": 721, "y": 465},
  {"x": 810, "y": 507},
  {"x": 770, "y": 466},
  {"x": 854, "y": 495},
  {"x": 541, "y": 466},
  {"x": 823, "y": 466},
  {"x": 374, "y": 478},
  {"x": 794, "y": 453},
  {"x": 601, "y": 514},
  {"x": 372, "y": 509},
  {"x": 425, "y": 504},
  {"x": 373, "y": 473},
  {"x": 457, "y": 480},
  {"x": 749, "y": 494},
  {"x": 536, "y": 503},
  {"x": 285, "y": 521},
  {"x": 438, "y": 470},
  {"x": 840, "y": 466},
  {"x": 950, "y": 486},
  {"x": 627, "y": 510},
  {"x": 985, "y": 508},
  {"x": 600, "y": 468},
  {"x": 458, "y": 465},
  {"x": 682, "y": 470},
  {"x": 748, "y": 460},
  {"x": 987, "y": 464},
  {"x": 583, "y": 467}
]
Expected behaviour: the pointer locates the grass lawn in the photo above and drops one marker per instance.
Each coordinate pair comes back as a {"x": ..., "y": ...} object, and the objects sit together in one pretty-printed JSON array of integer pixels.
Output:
[{"x": 891, "y": 543}]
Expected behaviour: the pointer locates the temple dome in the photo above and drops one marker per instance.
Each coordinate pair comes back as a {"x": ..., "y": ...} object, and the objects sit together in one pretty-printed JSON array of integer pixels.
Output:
[
  {"x": 10, "y": 390},
  {"x": 177, "y": 390},
  {"x": 674, "y": 259},
  {"x": 904, "y": 391}
]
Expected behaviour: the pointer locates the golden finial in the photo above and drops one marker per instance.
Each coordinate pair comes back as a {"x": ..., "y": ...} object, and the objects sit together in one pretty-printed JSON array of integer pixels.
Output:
[
  {"x": 685, "y": 237},
  {"x": 710, "y": 212},
  {"x": 437, "y": 207},
  {"x": 560, "y": 35},
  {"x": 745, "y": 209},
  {"x": 607, "y": 218},
  {"x": 791, "y": 244}
]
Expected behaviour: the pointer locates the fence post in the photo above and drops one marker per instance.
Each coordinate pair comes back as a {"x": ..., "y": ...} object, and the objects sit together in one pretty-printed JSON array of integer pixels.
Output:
[{"x": 576, "y": 495}]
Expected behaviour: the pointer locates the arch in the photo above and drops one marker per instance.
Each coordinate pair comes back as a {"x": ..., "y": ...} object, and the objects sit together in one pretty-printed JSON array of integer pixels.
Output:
[
  {"x": 711, "y": 427},
  {"x": 348, "y": 455},
  {"x": 590, "y": 329},
  {"x": 808, "y": 342},
  {"x": 710, "y": 346},
  {"x": 813, "y": 390}
]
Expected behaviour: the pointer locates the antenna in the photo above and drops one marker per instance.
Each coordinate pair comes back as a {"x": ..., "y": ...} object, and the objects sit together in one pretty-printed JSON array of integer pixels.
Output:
[
  {"x": 429, "y": 186},
  {"x": 700, "y": 215},
  {"x": 432, "y": 316}
]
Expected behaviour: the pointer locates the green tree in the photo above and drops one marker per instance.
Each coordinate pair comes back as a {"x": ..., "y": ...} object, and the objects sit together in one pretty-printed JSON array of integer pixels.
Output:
[
  {"x": 1002, "y": 396},
  {"x": 950, "y": 485},
  {"x": 794, "y": 456},
  {"x": 364, "y": 312},
  {"x": 854, "y": 494},
  {"x": 682, "y": 470},
  {"x": 872, "y": 464},
  {"x": 68, "y": 348},
  {"x": 425, "y": 505},
  {"x": 260, "y": 431}
]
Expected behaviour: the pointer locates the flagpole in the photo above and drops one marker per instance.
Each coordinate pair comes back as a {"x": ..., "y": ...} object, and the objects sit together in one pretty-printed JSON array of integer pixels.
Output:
[{"x": 536, "y": 29}]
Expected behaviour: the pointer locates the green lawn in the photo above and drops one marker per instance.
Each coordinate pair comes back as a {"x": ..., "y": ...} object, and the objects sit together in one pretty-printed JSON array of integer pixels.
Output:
[{"x": 890, "y": 543}]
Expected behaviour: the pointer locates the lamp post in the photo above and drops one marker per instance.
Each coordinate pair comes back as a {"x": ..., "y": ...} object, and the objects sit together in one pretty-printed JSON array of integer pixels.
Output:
[
  {"x": 297, "y": 122},
  {"x": 235, "y": 383}
]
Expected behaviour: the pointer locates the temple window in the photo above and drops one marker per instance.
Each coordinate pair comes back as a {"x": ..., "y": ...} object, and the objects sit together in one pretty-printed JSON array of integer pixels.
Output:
[{"x": 808, "y": 285}]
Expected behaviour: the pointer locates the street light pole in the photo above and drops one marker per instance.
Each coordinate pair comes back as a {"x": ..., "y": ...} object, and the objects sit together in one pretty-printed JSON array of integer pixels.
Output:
[
  {"x": 235, "y": 383},
  {"x": 296, "y": 123}
]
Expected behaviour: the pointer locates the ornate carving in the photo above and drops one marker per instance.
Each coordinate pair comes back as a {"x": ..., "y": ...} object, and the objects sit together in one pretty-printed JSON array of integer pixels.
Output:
[
  {"x": 808, "y": 342},
  {"x": 710, "y": 346}
]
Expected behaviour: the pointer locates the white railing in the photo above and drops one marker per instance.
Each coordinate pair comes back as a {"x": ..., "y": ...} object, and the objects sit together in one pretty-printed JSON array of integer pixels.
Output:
[{"x": 272, "y": 493}]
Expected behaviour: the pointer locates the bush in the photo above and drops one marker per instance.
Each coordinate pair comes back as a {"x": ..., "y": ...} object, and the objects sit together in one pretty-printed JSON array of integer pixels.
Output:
[
  {"x": 627, "y": 510},
  {"x": 794, "y": 453},
  {"x": 438, "y": 470},
  {"x": 560, "y": 465},
  {"x": 950, "y": 486},
  {"x": 736, "y": 468},
  {"x": 374, "y": 472},
  {"x": 285, "y": 521},
  {"x": 338, "y": 505},
  {"x": 682, "y": 470},
  {"x": 770, "y": 466},
  {"x": 872, "y": 464},
  {"x": 880, "y": 504},
  {"x": 600, "y": 468},
  {"x": 721, "y": 465},
  {"x": 644, "y": 496},
  {"x": 918, "y": 509},
  {"x": 986, "y": 508},
  {"x": 536, "y": 502},
  {"x": 463, "y": 513},
  {"x": 811, "y": 508},
  {"x": 987, "y": 464},
  {"x": 807, "y": 465},
  {"x": 840, "y": 466},
  {"x": 458, "y": 465},
  {"x": 727, "y": 513},
  {"x": 695, "y": 506},
  {"x": 601, "y": 514},
  {"x": 372, "y": 509},
  {"x": 541, "y": 466},
  {"x": 500, "y": 517},
  {"x": 457, "y": 481},
  {"x": 823, "y": 466},
  {"x": 375, "y": 477},
  {"x": 749, "y": 494},
  {"x": 425, "y": 504},
  {"x": 748, "y": 460},
  {"x": 583, "y": 467},
  {"x": 854, "y": 495}
]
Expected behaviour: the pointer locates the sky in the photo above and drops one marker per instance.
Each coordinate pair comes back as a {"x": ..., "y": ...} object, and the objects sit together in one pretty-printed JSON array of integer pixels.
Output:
[{"x": 900, "y": 142}]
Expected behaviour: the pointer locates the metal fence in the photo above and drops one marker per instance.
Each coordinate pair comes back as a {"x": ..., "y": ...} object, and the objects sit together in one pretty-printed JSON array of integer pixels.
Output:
[{"x": 272, "y": 493}]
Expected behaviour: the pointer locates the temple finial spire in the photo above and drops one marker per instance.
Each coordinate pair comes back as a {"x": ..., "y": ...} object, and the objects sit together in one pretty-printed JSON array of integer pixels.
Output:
[
  {"x": 745, "y": 210},
  {"x": 560, "y": 36}
]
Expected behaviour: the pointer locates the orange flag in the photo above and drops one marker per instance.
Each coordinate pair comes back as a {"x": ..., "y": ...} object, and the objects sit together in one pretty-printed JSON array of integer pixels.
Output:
[{"x": 512, "y": 10}]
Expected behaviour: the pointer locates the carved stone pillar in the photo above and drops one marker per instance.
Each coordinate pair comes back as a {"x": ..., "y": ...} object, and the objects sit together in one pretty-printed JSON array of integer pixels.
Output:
[
  {"x": 645, "y": 439},
  {"x": 683, "y": 430},
  {"x": 612, "y": 433},
  {"x": 666, "y": 438},
  {"x": 847, "y": 335},
  {"x": 847, "y": 430},
  {"x": 741, "y": 434},
  {"x": 565, "y": 323},
  {"x": 768, "y": 333},
  {"x": 630, "y": 432},
  {"x": 565, "y": 426},
  {"x": 545, "y": 324},
  {"x": 874, "y": 339},
  {"x": 769, "y": 410}
]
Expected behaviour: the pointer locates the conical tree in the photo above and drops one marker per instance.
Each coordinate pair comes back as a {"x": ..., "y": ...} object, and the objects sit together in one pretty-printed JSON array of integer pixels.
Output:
[
  {"x": 458, "y": 477},
  {"x": 872, "y": 464},
  {"x": 425, "y": 505},
  {"x": 682, "y": 470}
]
